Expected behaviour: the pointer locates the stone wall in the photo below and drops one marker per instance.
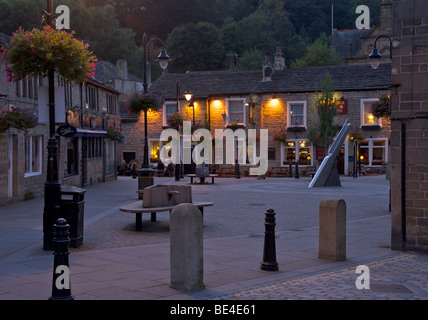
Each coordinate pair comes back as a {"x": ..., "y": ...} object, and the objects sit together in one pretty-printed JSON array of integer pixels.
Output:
[{"x": 409, "y": 103}]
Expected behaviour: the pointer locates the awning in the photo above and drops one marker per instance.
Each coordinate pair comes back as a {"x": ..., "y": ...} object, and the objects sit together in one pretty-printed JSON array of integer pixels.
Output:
[{"x": 91, "y": 133}]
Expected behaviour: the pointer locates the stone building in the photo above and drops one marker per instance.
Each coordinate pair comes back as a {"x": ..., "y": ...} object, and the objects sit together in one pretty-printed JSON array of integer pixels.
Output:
[
  {"x": 117, "y": 77},
  {"x": 356, "y": 45},
  {"x": 86, "y": 158},
  {"x": 409, "y": 118},
  {"x": 280, "y": 99}
]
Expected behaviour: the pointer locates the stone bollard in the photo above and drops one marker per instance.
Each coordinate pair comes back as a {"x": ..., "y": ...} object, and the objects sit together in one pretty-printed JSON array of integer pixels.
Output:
[
  {"x": 332, "y": 229},
  {"x": 186, "y": 252},
  {"x": 61, "y": 276},
  {"x": 269, "y": 251}
]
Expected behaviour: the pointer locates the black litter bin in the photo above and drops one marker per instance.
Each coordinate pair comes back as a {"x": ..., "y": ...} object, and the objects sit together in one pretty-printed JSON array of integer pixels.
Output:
[
  {"x": 72, "y": 209},
  {"x": 145, "y": 179}
]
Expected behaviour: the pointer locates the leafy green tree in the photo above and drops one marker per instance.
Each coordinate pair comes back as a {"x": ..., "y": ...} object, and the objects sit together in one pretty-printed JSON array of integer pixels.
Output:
[
  {"x": 318, "y": 53},
  {"x": 250, "y": 60},
  {"x": 323, "y": 132},
  {"x": 195, "y": 47}
]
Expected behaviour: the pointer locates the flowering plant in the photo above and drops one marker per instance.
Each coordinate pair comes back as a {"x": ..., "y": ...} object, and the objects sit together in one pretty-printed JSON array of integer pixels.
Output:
[
  {"x": 115, "y": 134},
  {"x": 176, "y": 119},
  {"x": 280, "y": 136},
  {"x": 35, "y": 52},
  {"x": 356, "y": 136},
  {"x": 143, "y": 102},
  {"x": 380, "y": 108},
  {"x": 21, "y": 119}
]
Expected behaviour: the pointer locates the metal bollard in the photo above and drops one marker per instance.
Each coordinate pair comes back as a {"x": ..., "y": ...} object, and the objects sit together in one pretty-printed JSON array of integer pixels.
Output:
[
  {"x": 237, "y": 170},
  {"x": 290, "y": 170},
  {"x": 61, "y": 276},
  {"x": 269, "y": 251},
  {"x": 297, "y": 171}
]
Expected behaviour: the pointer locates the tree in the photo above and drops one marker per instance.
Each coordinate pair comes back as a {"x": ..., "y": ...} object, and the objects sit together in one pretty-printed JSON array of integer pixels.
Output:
[
  {"x": 323, "y": 132},
  {"x": 318, "y": 53},
  {"x": 251, "y": 60},
  {"x": 195, "y": 47}
]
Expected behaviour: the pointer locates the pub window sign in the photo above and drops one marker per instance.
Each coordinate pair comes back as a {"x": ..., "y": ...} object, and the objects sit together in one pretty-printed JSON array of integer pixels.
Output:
[{"x": 342, "y": 106}]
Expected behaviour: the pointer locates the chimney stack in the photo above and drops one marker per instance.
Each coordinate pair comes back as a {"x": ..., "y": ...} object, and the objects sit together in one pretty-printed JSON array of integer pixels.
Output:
[{"x": 279, "y": 58}]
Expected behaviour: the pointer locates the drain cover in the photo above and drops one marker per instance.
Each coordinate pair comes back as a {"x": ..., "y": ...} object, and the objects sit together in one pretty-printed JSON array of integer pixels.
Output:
[{"x": 389, "y": 288}]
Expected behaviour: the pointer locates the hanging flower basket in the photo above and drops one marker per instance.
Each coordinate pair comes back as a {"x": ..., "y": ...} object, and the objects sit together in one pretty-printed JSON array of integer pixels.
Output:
[
  {"x": 33, "y": 53},
  {"x": 280, "y": 136},
  {"x": 175, "y": 120},
  {"x": 20, "y": 119},
  {"x": 381, "y": 108},
  {"x": 356, "y": 136},
  {"x": 143, "y": 102},
  {"x": 115, "y": 134}
]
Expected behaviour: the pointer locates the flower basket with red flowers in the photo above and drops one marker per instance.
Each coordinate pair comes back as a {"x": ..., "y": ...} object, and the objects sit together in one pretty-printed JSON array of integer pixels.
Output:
[
  {"x": 21, "y": 119},
  {"x": 381, "y": 108},
  {"x": 115, "y": 134},
  {"x": 280, "y": 136},
  {"x": 143, "y": 102},
  {"x": 35, "y": 52}
]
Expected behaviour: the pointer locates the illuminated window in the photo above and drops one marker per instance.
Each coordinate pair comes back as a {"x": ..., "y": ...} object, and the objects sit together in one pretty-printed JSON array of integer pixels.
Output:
[
  {"x": 296, "y": 150},
  {"x": 368, "y": 119},
  {"x": 373, "y": 152},
  {"x": 154, "y": 151}
]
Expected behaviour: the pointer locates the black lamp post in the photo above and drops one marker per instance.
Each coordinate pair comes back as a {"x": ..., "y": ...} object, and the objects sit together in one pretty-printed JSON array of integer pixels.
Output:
[
  {"x": 188, "y": 95},
  {"x": 192, "y": 105},
  {"x": 52, "y": 185},
  {"x": 375, "y": 56},
  {"x": 163, "y": 59}
]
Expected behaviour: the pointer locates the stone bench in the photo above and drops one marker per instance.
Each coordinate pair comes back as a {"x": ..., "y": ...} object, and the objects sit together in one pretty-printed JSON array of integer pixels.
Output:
[
  {"x": 202, "y": 178},
  {"x": 137, "y": 208}
]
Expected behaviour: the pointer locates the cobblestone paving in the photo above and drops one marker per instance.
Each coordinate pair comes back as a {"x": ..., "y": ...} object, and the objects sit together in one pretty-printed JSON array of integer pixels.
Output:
[{"x": 388, "y": 281}]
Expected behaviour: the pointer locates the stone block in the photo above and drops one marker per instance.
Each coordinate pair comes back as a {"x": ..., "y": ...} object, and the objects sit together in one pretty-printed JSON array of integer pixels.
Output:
[
  {"x": 332, "y": 229},
  {"x": 186, "y": 251}
]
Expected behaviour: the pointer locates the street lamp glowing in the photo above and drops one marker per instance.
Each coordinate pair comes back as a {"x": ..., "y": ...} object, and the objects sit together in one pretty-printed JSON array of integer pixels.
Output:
[{"x": 188, "y": 95}]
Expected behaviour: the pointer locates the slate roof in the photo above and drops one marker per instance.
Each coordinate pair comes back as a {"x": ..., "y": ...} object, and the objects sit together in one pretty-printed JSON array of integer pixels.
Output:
[
  {"x": 346, "y": 37},
  {"x": 106, "y": 71},
  {"x": 229, "y": 83}
]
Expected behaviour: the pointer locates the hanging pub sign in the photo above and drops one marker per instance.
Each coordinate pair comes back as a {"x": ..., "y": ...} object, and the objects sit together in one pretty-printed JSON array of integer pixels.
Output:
[
  {"x": 66, "y": 131},
  {"x": 342, "y": 106}
]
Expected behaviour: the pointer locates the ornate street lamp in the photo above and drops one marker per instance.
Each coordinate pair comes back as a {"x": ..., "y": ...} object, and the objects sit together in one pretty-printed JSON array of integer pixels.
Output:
[
  {"x": 163, "y": 60},
  {"x": 52, "y": 186},
  {"x": 375, "y": 56}
]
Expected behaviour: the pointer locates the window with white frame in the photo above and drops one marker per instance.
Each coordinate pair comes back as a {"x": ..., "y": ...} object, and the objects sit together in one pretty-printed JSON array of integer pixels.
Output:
[
  {"x": 168, "y": 109},
  {"x": 373, "y": 152},
  {"x": 235, "y": 111},
  {"x": 33, "y": 155},
  {"x": 296, "y": 111},
  {"x": 296, "y": 150},
  {"x": 367, "y": 118}
]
